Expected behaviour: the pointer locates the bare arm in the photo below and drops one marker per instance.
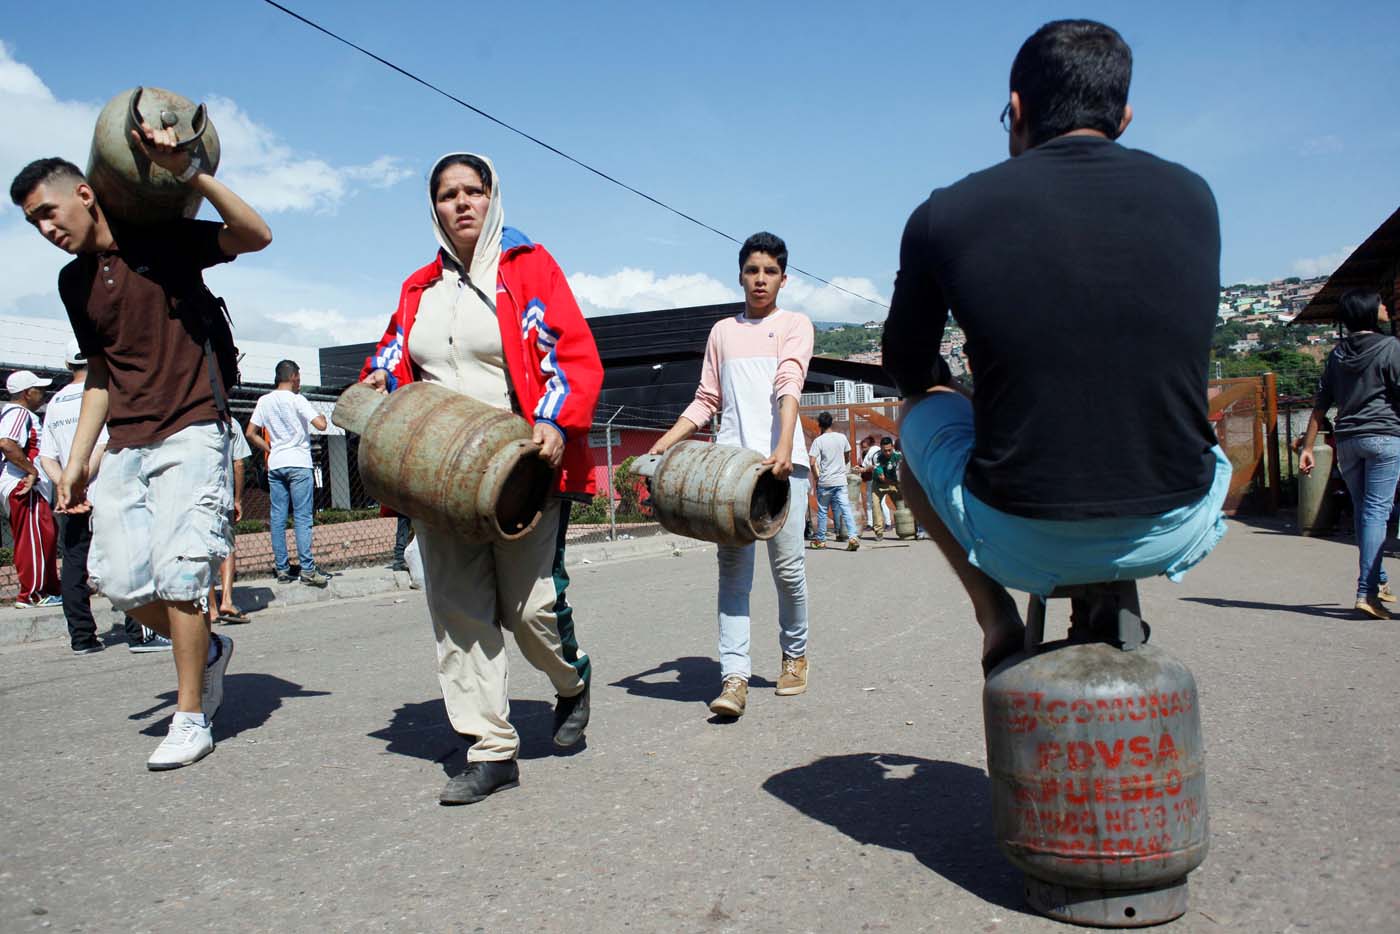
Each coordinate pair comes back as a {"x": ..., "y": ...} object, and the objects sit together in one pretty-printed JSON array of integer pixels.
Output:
[
  {"x": 95, "y": 461},
  {"x": 781, "y": 458},
  {"x": 1305, "y": 456},
  {"x": 680, "y": 431},
  {"x": 15, "y": 455},
  {"x": 238, "y": 489},
  {"x": 50, "y": 468},
  {"x": 319, "y": 423},
  {"x": 72, "y": 487},
  {"x": 244, "y": 229},
  {"x": 255, "y": 438}
]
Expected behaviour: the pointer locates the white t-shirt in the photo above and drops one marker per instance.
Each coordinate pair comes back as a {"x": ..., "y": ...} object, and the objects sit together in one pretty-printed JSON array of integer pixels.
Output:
[
  {"x": 61, "y": 424},
  {"x": 22, "y": 427},
  {"x": 830, "y": 453},
  {"x": 239, "y": 447},
  {"x": 287, "y": 417}
]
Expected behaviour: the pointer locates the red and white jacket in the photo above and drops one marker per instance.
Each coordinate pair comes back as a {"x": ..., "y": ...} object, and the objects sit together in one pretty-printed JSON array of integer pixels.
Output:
[{"x": 551, "y": 359}]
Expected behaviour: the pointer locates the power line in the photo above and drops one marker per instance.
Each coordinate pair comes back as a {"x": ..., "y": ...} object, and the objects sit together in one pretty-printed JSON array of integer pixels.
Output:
[{"x": 558, "y": 152}]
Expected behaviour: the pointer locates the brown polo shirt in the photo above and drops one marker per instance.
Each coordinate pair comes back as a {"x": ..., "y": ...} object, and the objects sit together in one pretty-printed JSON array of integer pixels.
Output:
[{"x": 143, "y": 307}]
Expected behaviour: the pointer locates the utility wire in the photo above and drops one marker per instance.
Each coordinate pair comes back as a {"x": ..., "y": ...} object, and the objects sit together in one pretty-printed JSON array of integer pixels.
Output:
[{"x": 558, "y": 152}]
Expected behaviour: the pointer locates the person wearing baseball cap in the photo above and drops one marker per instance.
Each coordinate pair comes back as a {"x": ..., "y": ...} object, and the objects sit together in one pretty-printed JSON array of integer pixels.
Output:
[{"x": 26, "y": 491}]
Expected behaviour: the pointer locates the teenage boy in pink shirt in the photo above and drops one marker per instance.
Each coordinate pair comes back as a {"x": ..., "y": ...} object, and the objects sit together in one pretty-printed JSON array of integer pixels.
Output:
[{"x": 755, "y": 366}]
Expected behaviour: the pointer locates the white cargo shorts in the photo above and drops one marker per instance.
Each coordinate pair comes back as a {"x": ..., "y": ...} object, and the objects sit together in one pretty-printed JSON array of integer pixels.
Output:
[{"x": 161, "y": 518}]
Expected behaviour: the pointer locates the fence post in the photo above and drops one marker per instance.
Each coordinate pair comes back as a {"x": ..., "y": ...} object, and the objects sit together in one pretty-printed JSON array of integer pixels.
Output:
[
  {"x": 612, "y": 507},
  {"x": 1271, "y": 438}
]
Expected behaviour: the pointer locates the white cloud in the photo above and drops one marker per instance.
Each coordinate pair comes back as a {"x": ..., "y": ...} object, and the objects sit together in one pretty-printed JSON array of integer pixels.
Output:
[
  {"x": 824, "y": 303},
  {"x": 256, "y": 163},
  {"x": 37, "y": 124},
  {"x": 1323, "y": 265},
  {"x": 266, "y": 171},
  {"x": 631, "y": 289}
]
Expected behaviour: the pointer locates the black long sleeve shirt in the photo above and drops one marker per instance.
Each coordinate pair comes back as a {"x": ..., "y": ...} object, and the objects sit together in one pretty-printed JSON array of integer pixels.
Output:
[{"x": 1085, "y": 277}]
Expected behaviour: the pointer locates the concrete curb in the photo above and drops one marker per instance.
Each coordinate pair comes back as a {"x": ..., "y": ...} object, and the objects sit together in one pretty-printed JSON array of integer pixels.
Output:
[{"x": 255, "y": 595}]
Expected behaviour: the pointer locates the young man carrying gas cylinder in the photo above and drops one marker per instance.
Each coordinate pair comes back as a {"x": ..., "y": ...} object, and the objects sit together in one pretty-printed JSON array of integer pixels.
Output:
[{"x": 147, "y": 325}]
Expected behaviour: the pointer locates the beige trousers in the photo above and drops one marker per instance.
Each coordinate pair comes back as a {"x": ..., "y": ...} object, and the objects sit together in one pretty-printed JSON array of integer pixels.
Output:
[{"x": 475, "y": 592}]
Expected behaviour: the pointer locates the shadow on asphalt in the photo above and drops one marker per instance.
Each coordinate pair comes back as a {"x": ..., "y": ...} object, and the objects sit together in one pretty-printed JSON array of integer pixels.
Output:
[
  {"x": 250, "y": 700},
  {"x": 938, "y": 811},
  {"x": 1325, "y": 610},
  {"x": 422, "y": 730},
  {"x": 250, "y": 599},
  {"x": 696, "y": 680}
]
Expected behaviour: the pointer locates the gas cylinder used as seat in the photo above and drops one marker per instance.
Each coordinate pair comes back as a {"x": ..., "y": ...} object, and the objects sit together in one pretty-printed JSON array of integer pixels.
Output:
[{"x": 1097, "y": 766}]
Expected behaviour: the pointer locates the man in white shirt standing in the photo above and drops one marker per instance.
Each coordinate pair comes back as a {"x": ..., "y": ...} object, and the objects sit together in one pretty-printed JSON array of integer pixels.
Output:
[
  {"x": 288, "y": 418},
  {"x": 831, "y": 454},
  {"x": 25, "y": 492},
  {"x": 75, "y": 531}
]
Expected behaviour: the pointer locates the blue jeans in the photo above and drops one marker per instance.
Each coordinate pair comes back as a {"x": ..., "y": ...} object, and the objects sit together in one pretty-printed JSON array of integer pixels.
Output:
[
  {"x": 294, "y": 484},
  {"x": 1370, "y": 466},
  {"x": 826, "y": 497},
  {"x": 789, "y": 567}
]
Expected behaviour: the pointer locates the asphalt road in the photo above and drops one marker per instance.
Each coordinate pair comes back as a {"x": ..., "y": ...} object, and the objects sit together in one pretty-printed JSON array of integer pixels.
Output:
[{"x": 860, "y": 806}]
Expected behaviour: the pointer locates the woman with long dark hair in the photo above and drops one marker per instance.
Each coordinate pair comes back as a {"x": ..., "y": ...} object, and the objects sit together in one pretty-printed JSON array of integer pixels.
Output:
[{"x": 1362, "y": 378}]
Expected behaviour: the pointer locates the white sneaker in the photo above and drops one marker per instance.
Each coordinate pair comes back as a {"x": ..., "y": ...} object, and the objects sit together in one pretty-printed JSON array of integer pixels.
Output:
[
  {"x": 185, "y": 744},
  {"x": 214, "y": 677}
]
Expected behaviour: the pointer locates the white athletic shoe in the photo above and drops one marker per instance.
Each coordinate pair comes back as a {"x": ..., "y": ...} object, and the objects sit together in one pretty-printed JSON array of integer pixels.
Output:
[
  {"x": 185, "y": 744},
  {"x": 214, "y": 677}
]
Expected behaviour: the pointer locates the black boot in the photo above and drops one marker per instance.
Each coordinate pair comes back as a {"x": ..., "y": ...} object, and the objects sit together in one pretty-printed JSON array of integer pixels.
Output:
[
  {"x": 570, "y": 718},
  {"x": 479, "y": 780}
]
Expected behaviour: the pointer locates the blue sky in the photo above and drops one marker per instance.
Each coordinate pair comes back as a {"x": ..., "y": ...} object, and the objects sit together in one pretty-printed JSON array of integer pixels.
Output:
[{"x": 824, "y": 122}]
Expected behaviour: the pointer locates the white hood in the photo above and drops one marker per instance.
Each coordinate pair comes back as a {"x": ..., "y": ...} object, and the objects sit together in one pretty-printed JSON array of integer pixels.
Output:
[{"x": 484, "y": 262}]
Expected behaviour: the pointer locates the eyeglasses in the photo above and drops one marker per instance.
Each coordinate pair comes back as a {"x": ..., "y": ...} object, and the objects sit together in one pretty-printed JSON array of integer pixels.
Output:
[{"x": 1006, "y": 117}]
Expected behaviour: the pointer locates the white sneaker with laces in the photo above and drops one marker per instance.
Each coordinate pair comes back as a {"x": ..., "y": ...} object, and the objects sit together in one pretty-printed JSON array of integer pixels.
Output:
[
  {"x": 214, "y": 677},
  {"x": 185, "y": 744}
]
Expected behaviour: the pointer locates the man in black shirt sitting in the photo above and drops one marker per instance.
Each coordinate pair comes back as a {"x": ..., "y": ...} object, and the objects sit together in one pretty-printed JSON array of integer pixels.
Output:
[{"x": 1085, "y": 277}]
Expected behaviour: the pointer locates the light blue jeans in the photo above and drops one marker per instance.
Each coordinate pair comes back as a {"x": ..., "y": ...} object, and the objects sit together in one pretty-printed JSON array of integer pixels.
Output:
[
  {"x": 1370, "y": 467},
  {"x": 835, "y": 496},
  {"x": 789, "y": 566},
  {"x": 294, "y": 484}
]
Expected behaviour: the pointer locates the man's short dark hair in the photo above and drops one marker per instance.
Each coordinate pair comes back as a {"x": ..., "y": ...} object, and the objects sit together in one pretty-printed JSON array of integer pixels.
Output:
[
  {"x": 764, "y": 242},
  {"x": 886, "y": 440},
  {"x": 472, "y": 162},
  {"x": 1072, "y": 74},
  {"x": 1359, "y": 310},
  {"x": 824, "y": 421},
  {"x": 287, "y": 371},
  {"x": 40, "y": 171}
]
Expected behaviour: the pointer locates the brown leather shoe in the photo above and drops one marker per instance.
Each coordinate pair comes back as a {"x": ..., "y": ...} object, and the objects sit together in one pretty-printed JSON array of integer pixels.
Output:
[
  {"x": 732, "y": 698},
  {"x": 793, "y": 679}
]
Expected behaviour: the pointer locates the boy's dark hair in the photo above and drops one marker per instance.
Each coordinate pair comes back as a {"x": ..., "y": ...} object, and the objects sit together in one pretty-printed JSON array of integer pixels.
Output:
[
  {"x": 40, "y": 171},
  {"x": 287, "y": 371},
  {"x": 886, "y": 440},
  {"x": 764, "y": 242},
  {"x": 1072, "y": 74},
  {"x": 460, "y": 158},
  {"x": 1359, "y": 310},
  {"x": 824, "y": 421}
]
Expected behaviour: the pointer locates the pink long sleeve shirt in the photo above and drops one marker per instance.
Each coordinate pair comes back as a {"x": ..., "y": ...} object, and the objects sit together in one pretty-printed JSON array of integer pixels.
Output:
[{"x": 750, "y": 364}]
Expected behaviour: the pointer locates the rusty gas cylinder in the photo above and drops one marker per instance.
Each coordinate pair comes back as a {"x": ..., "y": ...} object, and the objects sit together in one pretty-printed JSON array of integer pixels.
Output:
[
  {"x": 448, "y": 460},
  {"x": 1097, "y": 771},
  {"x": 715, "y": 492},
  {"x": 128, "y": 185}
]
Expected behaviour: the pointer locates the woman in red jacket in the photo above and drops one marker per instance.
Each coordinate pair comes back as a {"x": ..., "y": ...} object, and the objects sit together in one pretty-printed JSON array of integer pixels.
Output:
[{"x": 492, "y": 317}]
